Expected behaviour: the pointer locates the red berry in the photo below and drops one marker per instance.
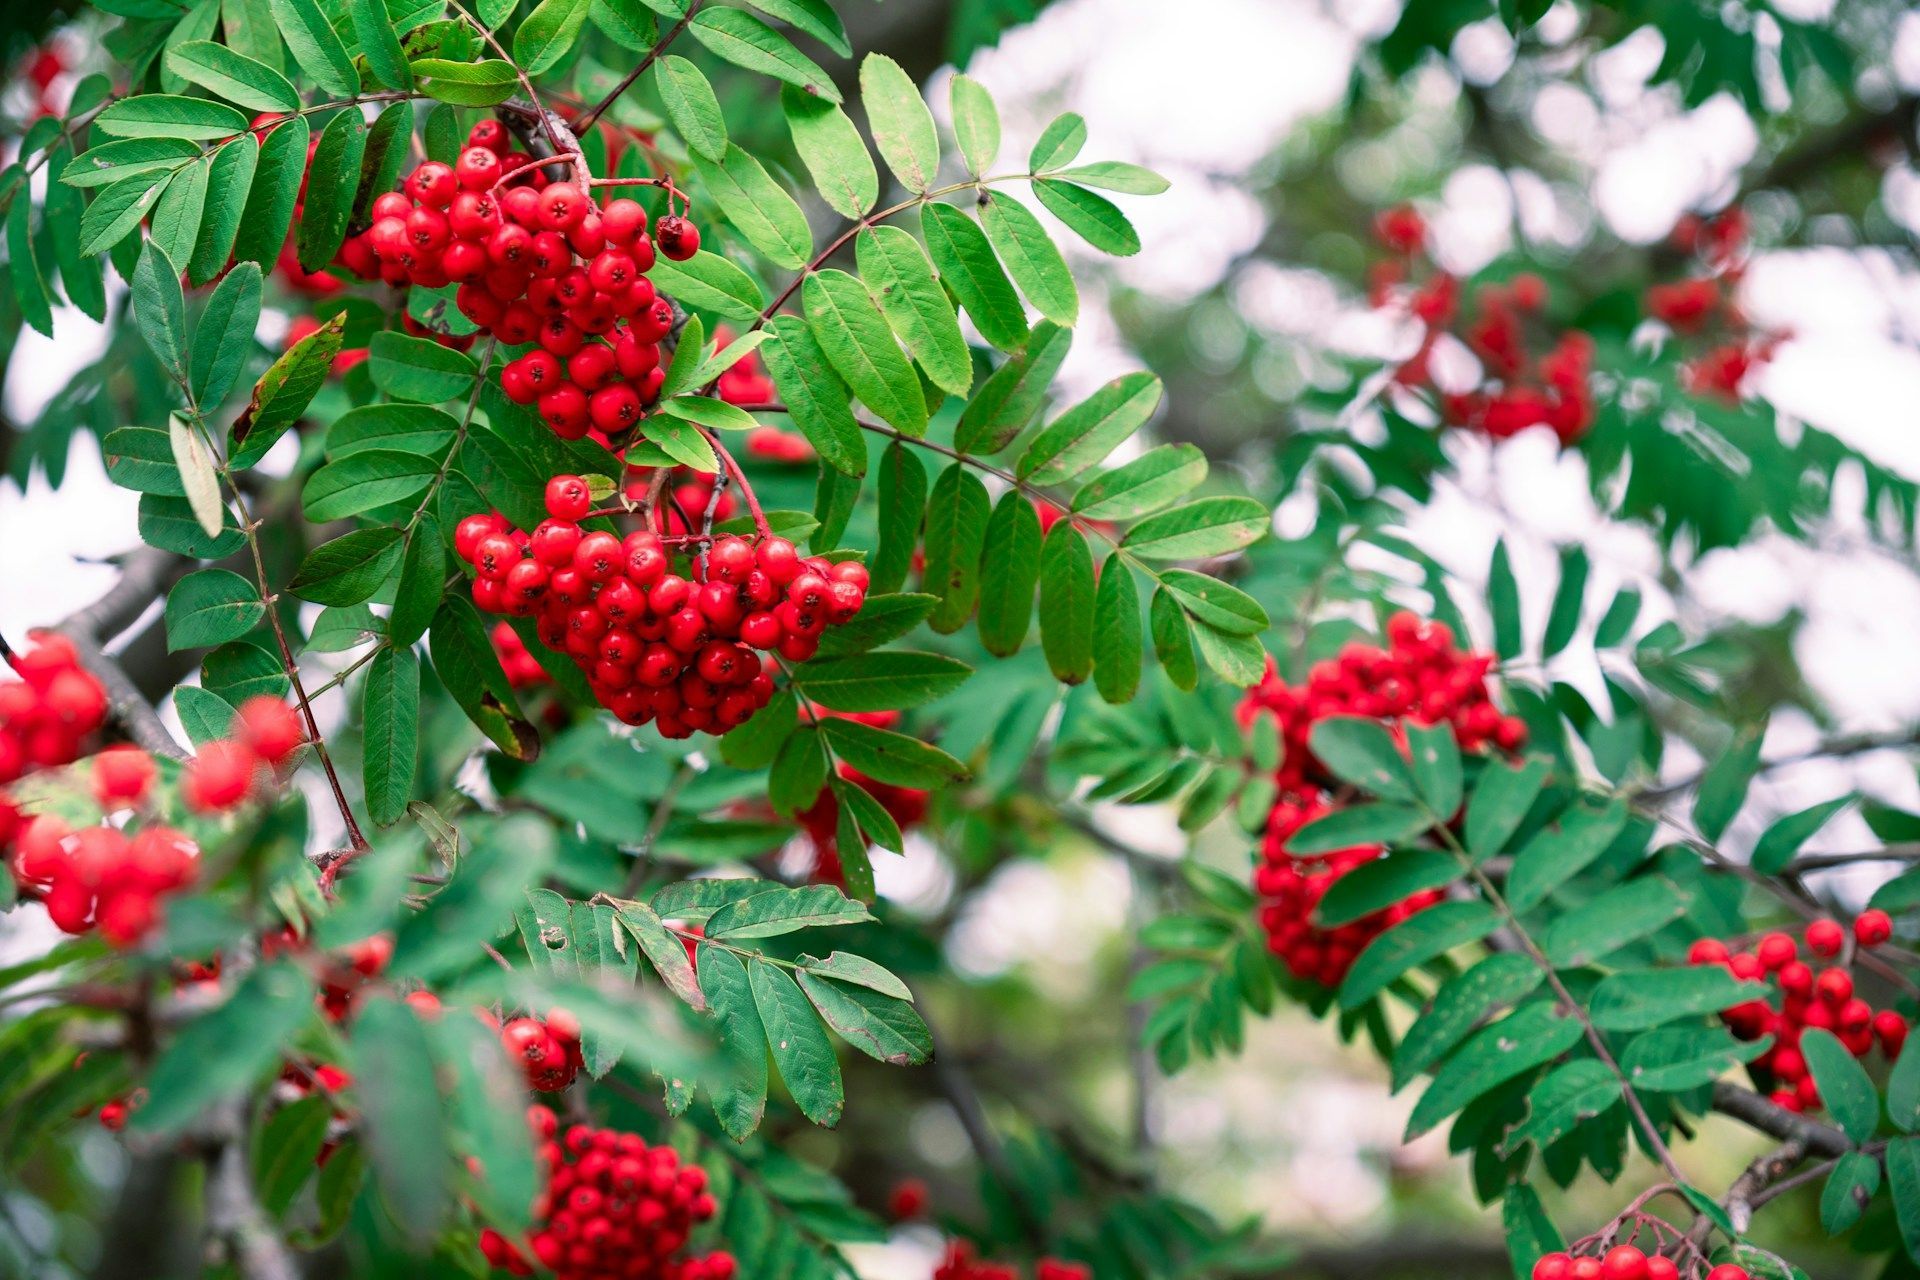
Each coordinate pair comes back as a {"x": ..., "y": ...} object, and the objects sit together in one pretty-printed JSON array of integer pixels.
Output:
[
  {"x": 122, "y": 776},
  {"x": 568, "y": 498},
  {"x": 678, "y": 238},
  {"x": 270, "y": 727},
  {"x": 1872, "y": 927},
  {"x": 1826, "y": 937}
]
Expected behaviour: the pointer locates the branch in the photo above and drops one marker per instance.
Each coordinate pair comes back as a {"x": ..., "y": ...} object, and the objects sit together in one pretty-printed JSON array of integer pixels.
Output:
[
  {"x": 1756, "y": 1112},
  {"x": 234, "y": 1216},
  {"x": 1846, "y": 745}
]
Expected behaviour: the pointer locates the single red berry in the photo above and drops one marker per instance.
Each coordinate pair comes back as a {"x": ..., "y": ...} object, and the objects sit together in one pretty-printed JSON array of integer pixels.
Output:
[
  {"x": 678, "y": 238},
  {"x": 1826, "y": 937},
  {"x": 568, "y": 498},
  {"x": 270, "y": 727},
  {"x": 1872, "y": 927},
  {"x": 122, "y": 776}
]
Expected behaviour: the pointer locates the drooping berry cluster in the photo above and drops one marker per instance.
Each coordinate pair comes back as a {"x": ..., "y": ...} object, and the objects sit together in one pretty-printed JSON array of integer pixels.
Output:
[
  {"x": 614, "y": 1208},
  {"x": 536, "y": 261},
  {"x": 1624, "y": 1262},
  {"x": 1528, "y": 375},
  {"x": 1703, "y": 308},
  {"x": 1823, "y": 999},
  {"x": 114, "y": 876},
  {"x": 677, "y": 649},
  {"x": 962, "y": 1262},
  {"x": 1420, "y": 676}
]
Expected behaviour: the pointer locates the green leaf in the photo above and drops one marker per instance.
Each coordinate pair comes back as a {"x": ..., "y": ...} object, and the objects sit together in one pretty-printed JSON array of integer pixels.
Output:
[
  {"x": 815, "y": 397},
  {"x": 1903, "y": 1182},
  {"x": 1503, "y": 600},
  {"x": 1012, "y": 394},
  {"x": 1149, "y": 482},
  {"x": 1093, "y": 218},
  {"x": 161, "y": 115},
  {"x": 548, "y": 34},
  {"x": 1500, "y": 980},
  {"x": 692, "y": 107},
  {"x": 1499, "y": 804},
  {"x": 1618, "y": 620},
  {"x": 1846, "y": 1090},
  {"x": 197, "y": 475},
  {"x": 1172, "y": 640},
  {"x": 487, "y": 1093},
  {"x": 283, "y": 393},
  {"x": 1117, "y": 647},
  {"x": 1031, "y": 257},
  {"x": 1680, "y": 1058},
  {"x": 903, "y": 505},
  {"x": 815, "y": 17},
  {"x": 1850, "y": 1188},
  {"x": 1530, "y": 1232},
  {"x": 861, "y": 348},
  {"x": 1564, "y": 619},
  {"x": 169, "y": 524},
  {"x": 957, "y": 516},
  {"x": 830, "y": 147},
  {"x": 205, "y": 715},
  {"x": 423, "y": 575},
  {"x": 1777, "y": 848},
  {"x": 117, "y": 211},
  {"x": 392, "y": 747},
  {"x": 275, "y": 190},
  {"x": 1009, "y": 573},
  {"x": 1363, "y": 752},
  {"x": 843, "y": 966},
  {"x": 879, "y": 1024},
  {"x": 380, "y": 44},
  {"x": 464, "y": 659},
  {"x": 223, "y": 339},
  {"x": 211, "y": 607},
  {"x": 900, "y": 278},
  {"x": 227, "y": 1049},
  {"x": 1200, "y": 529},
  {"x": 466, "y": 84},
  {"x": 1617, "y": 917},
  {"x": 1641, "y": 999},
  {"x": 1435, "y": 756},
  {"x": 402, "y": 1120},
  {"x": 1067, "y": 603},
  {"x": 1424, "y": 936},
  {"x": 706, "y": 411},
  {"x": 160, "y": 310},
  {"x": 890, "y": 757},
  {"x": 349, "y": 569},
  {"x": 1358, "y": 824},
  {"x": 976, "y": 124},
  {"x": 665, "y": 952},
  {"x": 1723, "y": 789},
  {"x": 141, "y": 459},
  {"x": 740, "y": 1096},
  {"x": 1568, "y": 1097},
  {"x": 116, "y": 162},
  {"x": 1560, "y": 852},
  {"x": 1379, "y": 884},
  {"x": 333, "y": 179},
  {"x": 1113, "y": 175},
  {"x": 967, "y": 264},
  {"x": 891, "y": 680},
  {"x": 1523, "y": 1040},
  {"x": 1903, "y": 1093},
  {"x": 745, "y": 41},
  {"x": 1058, "y": 143},
  {"x": 233, "y": 76},
  {"x": 362, "y": 481},
  {"x": 419, "y": 369},
  {"x": 800, "y": 1046},
  {"x": 901, "y": 125},
  {"x": 242, "y": 670},
  {"x": 316, "y": 47},
  {"x": 175, "y": 224},
  {"x": 286, "y": 1151},
  {"x": 883, "y": 619},
  {"x": 1090, "y": 430},
  {"x": 799, "y": 771}
]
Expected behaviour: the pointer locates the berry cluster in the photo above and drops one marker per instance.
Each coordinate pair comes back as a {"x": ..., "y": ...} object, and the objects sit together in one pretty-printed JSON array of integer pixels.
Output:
[
  {"x": 614, "y": 1208},
  {"x": 1421, "y": 676},
  {"x": 114, "y": 877},
  {"x": 48, "y": 714},
  {"x": 1703, "y": 307},
  {"x": 1517, "y": 389},
  {"x": 657, "y": 645},
  {"x": 961, "y": 1262},
  {"x": 549, "y": 1050},
  {"x": 1623, "y": 1262},
  {"x": 536, "y": 261},
  {"x": 1807, "y": 998}
]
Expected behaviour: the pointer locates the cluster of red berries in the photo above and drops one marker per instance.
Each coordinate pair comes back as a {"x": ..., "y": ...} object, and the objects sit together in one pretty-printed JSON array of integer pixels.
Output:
[
  {"x": 342, "y": 973},
  {"x": 1823, "y": 999},
  {"x": 961, "y": 1262},
  {"x": 1420, "y": 676},
  {"x": 549, "y": 1050},
  {"x": 1703, "y": 307},
  {"x": 907, "y": 806},
  {"x": 536, "y": 261},
  {"x": 614, "y": 1208},
  {"x": 114, "y": 878},
  {"x": 1623, "y": 1262},
  {"x": 47, "y": 715},
  {"x": 657, "y": 645},
  {"x": 1518, "y": 390}
]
